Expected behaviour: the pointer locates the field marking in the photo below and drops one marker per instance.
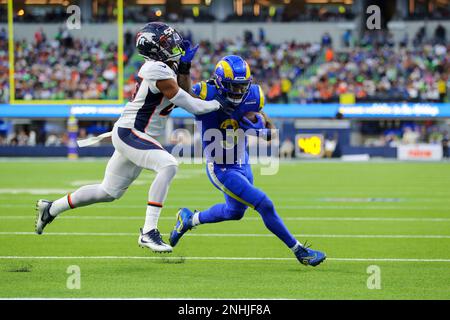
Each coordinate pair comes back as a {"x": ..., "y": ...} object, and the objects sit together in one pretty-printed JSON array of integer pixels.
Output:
[
  {"x": 149, "y": 298},
  {"x": 33, "y": 191},
  {"x": 363, "y": 236},
  {"x": 339, "y": 219},
  {"x": 217, "y": 258},
  {"x": 296, "y": 207},
  {"x": 277, "y": 194}
]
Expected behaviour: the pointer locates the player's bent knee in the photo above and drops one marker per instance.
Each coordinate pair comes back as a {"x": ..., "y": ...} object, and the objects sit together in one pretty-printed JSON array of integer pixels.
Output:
[
  {"x": 266, "y": 205},
  {"x": 170, "y": 170},
  {"x": 109, "y": 198},
  {"x": 234, "y": 214},
  {"x": 110, "y": 194},
  {"x": 164, "y": 161}
]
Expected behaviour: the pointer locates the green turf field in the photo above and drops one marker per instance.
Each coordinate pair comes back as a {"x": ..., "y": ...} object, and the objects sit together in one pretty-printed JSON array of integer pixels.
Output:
[{"x": 395, "y": 216}]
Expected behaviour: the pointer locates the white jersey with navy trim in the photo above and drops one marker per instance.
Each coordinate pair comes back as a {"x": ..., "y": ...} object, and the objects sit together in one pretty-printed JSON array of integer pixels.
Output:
[{"x": 149, "y": 109}]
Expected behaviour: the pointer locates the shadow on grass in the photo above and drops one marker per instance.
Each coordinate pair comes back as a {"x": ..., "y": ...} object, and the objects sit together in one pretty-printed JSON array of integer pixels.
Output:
[{"x": 22, "y": 267}]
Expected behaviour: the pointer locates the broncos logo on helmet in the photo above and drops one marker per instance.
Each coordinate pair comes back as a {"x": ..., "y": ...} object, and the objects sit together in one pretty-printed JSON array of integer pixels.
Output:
[
  {"x": 158, "y": 41},
  {"x": 232, "y": 77}
]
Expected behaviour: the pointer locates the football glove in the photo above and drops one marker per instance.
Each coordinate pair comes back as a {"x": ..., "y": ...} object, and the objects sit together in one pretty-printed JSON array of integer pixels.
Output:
[
  {"x": 246, "y": 124},
  {"x": 189, "y": 52}
]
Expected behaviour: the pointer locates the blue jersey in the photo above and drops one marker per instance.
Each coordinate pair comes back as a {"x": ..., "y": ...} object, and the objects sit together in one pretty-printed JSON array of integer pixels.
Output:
[{"x": 234, "y": 144}]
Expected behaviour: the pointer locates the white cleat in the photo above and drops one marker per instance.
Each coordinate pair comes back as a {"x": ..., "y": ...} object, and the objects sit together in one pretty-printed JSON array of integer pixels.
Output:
[
  {"x": 154, "y": 242},
  {"x": 43, "y": 216}
]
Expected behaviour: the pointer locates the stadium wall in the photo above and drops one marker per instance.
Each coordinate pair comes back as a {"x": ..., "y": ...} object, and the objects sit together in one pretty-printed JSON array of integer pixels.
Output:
[{"x": 275, "y": 32}]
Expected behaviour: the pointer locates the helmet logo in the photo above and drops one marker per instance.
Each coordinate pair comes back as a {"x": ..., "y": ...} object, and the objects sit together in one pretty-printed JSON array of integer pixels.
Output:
[
  {"x": 168, "y": 31},
  {"x": 144, "y": 37}
]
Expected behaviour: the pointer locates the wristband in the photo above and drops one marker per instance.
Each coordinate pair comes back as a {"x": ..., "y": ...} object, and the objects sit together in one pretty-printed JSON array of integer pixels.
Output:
[{"x": 184, "y": 67}]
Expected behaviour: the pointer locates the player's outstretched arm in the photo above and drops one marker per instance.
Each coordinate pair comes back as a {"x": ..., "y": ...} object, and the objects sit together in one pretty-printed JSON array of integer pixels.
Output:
[
  {"x": 184, "y": 82},
  {"x": 179, "y": 97}
]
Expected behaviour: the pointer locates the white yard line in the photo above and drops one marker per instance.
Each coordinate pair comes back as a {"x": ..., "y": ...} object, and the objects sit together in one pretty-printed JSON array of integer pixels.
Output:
[
  {"x": 33, "y": 191},
  {"x": 214, "y": 258},
  {"x": 149, "y": 298},
  {"x": 88, "y": 217},
  {"x": 205, "y": 203},
  {"x": 363, "y": 236}
]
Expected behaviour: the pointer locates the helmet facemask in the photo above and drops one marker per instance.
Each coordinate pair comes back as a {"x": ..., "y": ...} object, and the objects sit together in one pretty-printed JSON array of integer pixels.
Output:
[
  {"x": 170, "y": 45},
  {"x": 234, "y": 90}
]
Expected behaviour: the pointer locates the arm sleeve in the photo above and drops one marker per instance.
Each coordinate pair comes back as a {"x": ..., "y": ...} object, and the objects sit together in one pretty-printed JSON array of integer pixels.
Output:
[{"x": 195, "y": 106}]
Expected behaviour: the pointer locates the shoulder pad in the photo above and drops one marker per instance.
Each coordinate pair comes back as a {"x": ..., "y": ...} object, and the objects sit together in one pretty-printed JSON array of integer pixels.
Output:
[
  {"x": 196, "y": 88},
  {"x": 200, "y": 89},
  {"x": 156, "y": 70},
  {"x": 261, "y": 97}
]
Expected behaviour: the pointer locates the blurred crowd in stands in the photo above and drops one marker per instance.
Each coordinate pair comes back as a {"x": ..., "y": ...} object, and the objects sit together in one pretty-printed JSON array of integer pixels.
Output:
[
  {"x": 371, "y": 134},
  {"x": 65, "y": 68},
  {"x": 145, "y": 13},
  {"x": 23, "y": 136},
  {"x": 374, "y": 69},
  {"x": 273, "y": 66},
  {"x": 379, "y": 74},
  {"x": 4, "y": 67},
  {"x": 390, "y": 134},
  {"x": 48, "y": 133}
]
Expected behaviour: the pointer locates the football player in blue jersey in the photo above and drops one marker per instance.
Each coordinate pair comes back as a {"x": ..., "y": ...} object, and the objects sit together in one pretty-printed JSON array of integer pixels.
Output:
[{"x": 232, "y": 84}]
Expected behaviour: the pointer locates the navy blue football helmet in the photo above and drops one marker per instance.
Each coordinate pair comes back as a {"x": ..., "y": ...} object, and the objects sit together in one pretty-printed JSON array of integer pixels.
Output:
[{"x": 158, "y": 41}]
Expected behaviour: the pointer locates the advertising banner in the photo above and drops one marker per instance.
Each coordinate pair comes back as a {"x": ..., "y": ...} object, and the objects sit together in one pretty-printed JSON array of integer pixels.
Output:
[{"x": 424, "y": 152}]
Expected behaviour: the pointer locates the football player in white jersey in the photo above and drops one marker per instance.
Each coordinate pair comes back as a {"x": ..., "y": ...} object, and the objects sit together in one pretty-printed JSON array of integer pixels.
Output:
[{"x": 160, "y": 89}]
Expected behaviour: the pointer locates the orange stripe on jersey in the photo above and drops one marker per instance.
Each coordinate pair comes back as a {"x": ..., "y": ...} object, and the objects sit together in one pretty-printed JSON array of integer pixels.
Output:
[
  {"x": 156, "y": 143},
  {"x": 155, "y": 204},
  {"x": 69, "y": 199}
]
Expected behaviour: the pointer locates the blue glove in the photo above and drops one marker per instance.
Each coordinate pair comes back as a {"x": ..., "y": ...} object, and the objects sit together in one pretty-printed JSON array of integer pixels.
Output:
[
  {"x": 246, "y": 124},
  {"x": 189, "y": 52},
  {"x": 226, "y": 105}
]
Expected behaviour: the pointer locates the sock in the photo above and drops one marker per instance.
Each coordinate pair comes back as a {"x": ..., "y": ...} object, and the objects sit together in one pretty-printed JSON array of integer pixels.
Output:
[
  {"x": 156, "y": 195},
  {"x": 296, "y": 246},
  {"x": 196, "y": 219},
  {"x": 61, "y": 205},
  {"x": 152, "y": 216}
]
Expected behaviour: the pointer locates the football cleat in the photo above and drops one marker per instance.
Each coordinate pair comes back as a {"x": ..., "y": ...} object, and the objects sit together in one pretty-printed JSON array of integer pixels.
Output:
[
  {"x": 153, "y": 241},
  {"x": 43, "y": 216},
  {"x": 309, "y": 257},
  {"x": 184, "y": 223}
]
